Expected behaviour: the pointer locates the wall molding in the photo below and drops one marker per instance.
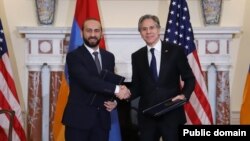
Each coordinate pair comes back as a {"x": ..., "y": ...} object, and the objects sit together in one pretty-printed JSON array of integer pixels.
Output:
[
  {"x": 124, "y": 41},
  {"x": 125, "y": 31}
]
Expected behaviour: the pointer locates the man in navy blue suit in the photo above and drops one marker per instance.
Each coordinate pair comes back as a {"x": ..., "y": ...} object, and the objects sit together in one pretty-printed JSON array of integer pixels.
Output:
[
  {"x": 157, "y": 69},
  {"x": 87, "y": 113}
]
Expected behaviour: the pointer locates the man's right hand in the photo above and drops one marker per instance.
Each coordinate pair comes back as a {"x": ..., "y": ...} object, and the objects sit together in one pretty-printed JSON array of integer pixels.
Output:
[{"x": 124, "y": 93}]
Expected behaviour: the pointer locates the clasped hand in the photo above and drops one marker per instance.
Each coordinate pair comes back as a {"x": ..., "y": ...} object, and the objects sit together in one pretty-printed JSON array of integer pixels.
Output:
[{"x": 124, "y": 93}]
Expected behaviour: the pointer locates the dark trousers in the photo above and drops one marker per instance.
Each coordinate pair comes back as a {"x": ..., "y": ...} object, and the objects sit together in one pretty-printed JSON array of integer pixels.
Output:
[
  {"x": 94, "y": 134},
  {"x": 154, "y": 129}
]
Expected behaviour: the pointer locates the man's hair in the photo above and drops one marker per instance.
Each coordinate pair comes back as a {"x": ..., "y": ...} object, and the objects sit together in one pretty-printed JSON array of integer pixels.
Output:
[{"x": 148, "y": 16}]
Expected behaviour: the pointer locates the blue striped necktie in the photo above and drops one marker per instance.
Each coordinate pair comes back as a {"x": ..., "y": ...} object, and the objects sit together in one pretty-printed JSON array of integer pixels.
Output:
[{"x": 153, "y": 67}]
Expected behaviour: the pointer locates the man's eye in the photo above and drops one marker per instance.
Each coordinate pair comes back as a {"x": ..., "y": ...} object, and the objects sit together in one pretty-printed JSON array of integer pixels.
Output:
[{"x": 89, "y": 30}]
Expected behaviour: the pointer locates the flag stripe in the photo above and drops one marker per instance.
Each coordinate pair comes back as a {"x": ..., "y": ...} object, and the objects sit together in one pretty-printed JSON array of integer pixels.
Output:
[
  {"x": 18, "y": 128},
  {"x": 5, "y": 128},
  {"x": 58, "y": 128},
  {"x": 75, "y": 36},
  {"x": 197, "y": 71},
  {"x": 200, "y": 89},
  {"x": 6, "y": 94},
  {"x": 3, "y": 135},
  {"x": 7, "y": 74},
  {"x": 191, "y": 115},
  {"x": 245, "y": 112}
]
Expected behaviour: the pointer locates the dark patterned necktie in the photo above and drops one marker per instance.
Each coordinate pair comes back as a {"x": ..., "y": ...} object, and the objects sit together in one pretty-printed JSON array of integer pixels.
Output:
[
  {"x": 97, "y": 61},
  {"x": 153, "y": 67}
]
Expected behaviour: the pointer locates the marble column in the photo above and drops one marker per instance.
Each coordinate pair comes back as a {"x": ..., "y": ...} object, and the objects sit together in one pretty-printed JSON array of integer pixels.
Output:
[
  {"x": 34, "y": 106},
  {"x": 222, "y": 98},
  {"x": 35, "y": 101},
  {"x": 54, "y": 89}
]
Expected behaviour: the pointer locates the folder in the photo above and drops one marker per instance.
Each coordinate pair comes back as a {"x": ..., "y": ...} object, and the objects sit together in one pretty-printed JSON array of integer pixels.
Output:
[{"x": 163, "y": 107}]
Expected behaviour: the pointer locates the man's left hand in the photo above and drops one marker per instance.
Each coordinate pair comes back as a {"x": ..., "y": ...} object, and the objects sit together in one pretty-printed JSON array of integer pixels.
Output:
[{"x": 110, "y": 105}]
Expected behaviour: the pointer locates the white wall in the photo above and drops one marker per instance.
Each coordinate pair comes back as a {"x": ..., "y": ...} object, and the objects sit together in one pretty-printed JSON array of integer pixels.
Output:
[
  {"x": 125, "y": 14},
  {"x": 241, "y": 61}
]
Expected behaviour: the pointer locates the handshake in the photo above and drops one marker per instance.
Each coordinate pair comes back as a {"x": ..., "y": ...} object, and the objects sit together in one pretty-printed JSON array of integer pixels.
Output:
[{"x": 124, "y": 93}]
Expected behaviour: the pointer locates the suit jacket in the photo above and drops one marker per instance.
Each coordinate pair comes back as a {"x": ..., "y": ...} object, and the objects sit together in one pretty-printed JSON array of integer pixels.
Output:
[
  {"x": 173, "y": 67},
  {"x": 88, "y": 90}
]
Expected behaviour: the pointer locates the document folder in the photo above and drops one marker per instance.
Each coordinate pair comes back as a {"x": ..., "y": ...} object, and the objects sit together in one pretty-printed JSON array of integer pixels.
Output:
[{"x": 163, "y": 107}]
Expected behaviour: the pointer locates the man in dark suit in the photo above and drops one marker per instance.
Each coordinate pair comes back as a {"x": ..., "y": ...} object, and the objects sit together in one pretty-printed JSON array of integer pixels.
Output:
[
  {"x": 87, "y": 113},
  {"x": 156, "y": 77}
]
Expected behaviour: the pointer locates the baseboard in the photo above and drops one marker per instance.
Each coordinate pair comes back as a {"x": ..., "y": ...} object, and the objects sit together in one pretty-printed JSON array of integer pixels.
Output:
[{"x": 235, "y": 117}]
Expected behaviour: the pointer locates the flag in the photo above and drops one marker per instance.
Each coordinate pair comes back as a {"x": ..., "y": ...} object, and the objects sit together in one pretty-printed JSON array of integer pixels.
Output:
[
  {"x": 84, "y": 9},
  {"x": 8, "y": 95},
  {"x": 245, "y": 111},
  {"x": 179, "y": 31}
]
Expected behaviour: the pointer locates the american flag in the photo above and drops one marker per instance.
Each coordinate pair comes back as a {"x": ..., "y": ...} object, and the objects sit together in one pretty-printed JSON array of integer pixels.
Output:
[
  {"x": 8, "y": 95},
  {"x": 179, "y": 31}
]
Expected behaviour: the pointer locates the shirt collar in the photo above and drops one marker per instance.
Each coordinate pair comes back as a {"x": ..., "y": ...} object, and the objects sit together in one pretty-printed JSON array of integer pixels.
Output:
[
  {"x": 157, "y": 46},
  {"x": 91, "y": 50}
]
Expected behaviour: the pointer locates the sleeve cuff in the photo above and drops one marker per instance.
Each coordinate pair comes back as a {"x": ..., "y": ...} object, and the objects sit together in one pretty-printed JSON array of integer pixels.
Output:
[{"x": 117, "y": 89}]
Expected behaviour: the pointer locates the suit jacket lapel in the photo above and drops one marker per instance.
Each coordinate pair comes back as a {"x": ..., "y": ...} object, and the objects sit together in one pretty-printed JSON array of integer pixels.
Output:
[
  {"x": 104, "y": 60},
  {"x": 164, "y": 60},
  {"x": 88, "y": 58},
  {"x": 145, "y": 63}
]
